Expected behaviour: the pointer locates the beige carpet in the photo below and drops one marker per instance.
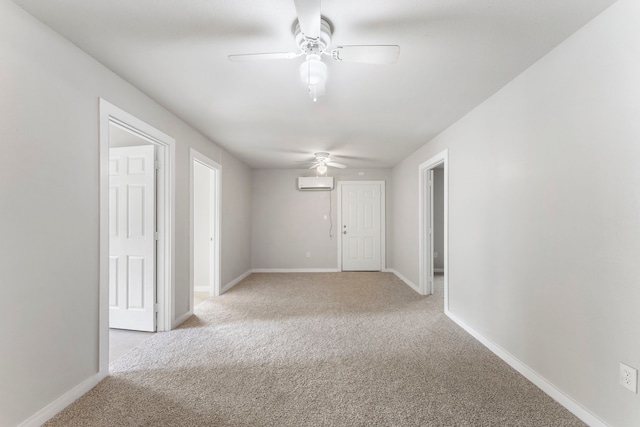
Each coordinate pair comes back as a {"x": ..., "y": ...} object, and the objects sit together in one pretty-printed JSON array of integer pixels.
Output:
[{"x": 325, "y": 349}]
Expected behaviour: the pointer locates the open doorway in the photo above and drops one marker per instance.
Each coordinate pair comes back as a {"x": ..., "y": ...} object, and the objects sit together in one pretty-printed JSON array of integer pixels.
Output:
[
  {"x": 438, "y": 219},
  {"x": 140, "y": 150},
  {"x": 132, "y": 243},
  {"x": 205, "y": 228},
  {"x": 433, "y": 226},
  {"x": 132, "y": 230}
]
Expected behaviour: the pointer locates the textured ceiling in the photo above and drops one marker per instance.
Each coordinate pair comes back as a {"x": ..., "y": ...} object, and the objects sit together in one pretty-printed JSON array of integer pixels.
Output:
[{"x": 454, "y": 54}]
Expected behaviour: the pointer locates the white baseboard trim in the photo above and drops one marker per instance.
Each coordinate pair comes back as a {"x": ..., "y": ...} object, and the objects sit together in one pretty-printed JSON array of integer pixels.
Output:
[
  {"x": 544, "y": 385},
  {"x": 181, "y": 319},
  {"x": 201, "y": 289},
  {"x": 295, "y": 270},
  {"x": 403, "y": 279},
  {"x": 235, "y": 281},
  {"x": 49, "y": 411}
]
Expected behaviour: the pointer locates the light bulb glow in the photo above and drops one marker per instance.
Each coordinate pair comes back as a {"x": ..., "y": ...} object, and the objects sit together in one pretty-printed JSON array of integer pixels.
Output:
[
  {"x": 313, "y": 71},
  {"x": 322, "y": 169}
]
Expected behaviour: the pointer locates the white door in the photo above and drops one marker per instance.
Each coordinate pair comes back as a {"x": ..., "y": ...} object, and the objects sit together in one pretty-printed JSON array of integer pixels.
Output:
[
  {"x": 361, "y": 227},
  {"x": 132, "y": 239}
]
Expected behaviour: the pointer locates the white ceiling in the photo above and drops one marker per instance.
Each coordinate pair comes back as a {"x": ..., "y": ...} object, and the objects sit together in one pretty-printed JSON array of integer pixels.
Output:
[{"x": 454, "y": 54}]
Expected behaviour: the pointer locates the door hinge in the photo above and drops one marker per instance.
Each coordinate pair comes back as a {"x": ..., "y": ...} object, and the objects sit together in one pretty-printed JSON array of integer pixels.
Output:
[
  {"x": 157, "y": 164},
  {"x": 155, "y": 307},
  {"x": 157, "y": 235}
]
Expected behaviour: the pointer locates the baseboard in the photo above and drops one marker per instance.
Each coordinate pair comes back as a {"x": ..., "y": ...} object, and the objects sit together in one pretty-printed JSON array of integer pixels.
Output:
[
  {"x": 403, "y": 279},
  {"x": 201, "y": 288},
  {"x": 234, "y": 282},
  {"x": 295, "y": 270},
  {"x": 49, "y": 411},
  {"x": 544, "y": 385},
  {"x": 181, "y": 319}
]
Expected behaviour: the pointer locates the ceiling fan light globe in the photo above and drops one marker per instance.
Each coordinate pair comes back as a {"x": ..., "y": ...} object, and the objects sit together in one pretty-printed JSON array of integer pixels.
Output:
[
  {"x": 313, "y": 71},
  {"x": 322, "y": 169}
]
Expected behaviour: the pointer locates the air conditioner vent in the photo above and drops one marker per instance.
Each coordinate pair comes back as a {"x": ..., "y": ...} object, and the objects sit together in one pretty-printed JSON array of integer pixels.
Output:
[{"x": 306, "y": 183}]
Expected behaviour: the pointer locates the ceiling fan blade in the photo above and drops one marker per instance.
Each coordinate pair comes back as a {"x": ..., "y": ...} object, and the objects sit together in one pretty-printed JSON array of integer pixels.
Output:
[
  {"x": 336, "y": 165},
  {"x": 315, "y": 165},
  {"x": 262, "y": 56},
  {"x": 378, "y": 54},
  {"x": 309, "y": 17}
]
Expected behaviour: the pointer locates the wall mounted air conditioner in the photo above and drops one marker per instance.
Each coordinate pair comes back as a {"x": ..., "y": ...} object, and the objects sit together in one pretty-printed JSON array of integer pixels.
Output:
[{"x": 315, "y": 183}]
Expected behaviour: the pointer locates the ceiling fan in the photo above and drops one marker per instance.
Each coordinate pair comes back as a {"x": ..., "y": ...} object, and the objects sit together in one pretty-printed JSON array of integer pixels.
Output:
[
  {"x": 312, "y": 34},
  {"x": 322, "y": 160}
]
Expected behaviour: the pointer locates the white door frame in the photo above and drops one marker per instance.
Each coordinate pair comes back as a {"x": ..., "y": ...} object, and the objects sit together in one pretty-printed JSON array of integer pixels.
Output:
[
  {"x": 425, "y": 250},
  {"x": 165, "y": 149},
  {"x": 383, "y": 208},
  {"x": 216, "y": 169}
]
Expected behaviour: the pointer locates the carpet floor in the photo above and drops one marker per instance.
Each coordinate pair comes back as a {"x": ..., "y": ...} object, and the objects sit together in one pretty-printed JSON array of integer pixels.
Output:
[{"x": 315, "y": 349}]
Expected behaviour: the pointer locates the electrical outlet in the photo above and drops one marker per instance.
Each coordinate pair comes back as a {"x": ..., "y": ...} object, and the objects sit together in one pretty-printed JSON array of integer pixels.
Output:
[{"x": 629, "y": 377}]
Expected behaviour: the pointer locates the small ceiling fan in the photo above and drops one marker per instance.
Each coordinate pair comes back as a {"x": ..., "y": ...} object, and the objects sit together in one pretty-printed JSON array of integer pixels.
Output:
[
  {"x": 312, "y": 34},
  {"x": 322, "y": 160}
]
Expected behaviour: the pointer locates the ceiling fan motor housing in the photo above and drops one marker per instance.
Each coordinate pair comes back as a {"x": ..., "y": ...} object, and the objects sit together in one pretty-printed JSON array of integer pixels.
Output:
[
  {"x": 322, "y": 156},
  {"x": 314, "y": 46}
]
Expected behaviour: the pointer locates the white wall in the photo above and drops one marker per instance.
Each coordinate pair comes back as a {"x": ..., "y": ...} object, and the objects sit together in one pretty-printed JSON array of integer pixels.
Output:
[
  {"x": 49, "y": 209},
  {"x": 119, "y": 137},
  {"x": 287, "y": 223},
  {"x": 235, "y": 222},
  {"x": 544, "y": 215}
]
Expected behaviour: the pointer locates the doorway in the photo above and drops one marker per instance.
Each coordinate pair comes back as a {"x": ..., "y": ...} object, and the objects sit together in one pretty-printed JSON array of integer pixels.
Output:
[
  {"x": 205, "y": 228},
  {"x": 433, "y": 191},
  {"x": 115, "y": 122},
  {"x": 361, "y": 221}
]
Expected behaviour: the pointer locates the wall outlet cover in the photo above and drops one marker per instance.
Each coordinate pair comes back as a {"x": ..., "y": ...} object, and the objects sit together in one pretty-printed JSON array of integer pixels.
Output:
[{"x": 629, "y": 377}]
